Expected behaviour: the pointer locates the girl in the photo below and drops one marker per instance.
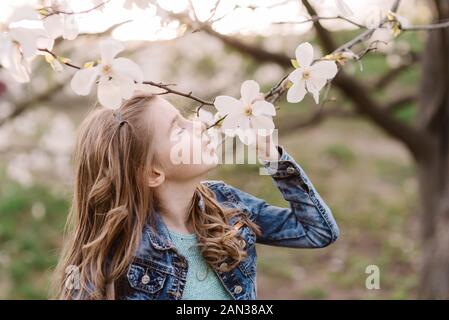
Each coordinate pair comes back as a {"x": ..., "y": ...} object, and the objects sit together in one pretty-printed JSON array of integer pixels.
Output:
[{"x": 143, "y": 227}]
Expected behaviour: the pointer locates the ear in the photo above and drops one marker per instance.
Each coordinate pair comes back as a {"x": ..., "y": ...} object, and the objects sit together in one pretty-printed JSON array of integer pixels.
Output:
[{"x": 156, "y": 177}]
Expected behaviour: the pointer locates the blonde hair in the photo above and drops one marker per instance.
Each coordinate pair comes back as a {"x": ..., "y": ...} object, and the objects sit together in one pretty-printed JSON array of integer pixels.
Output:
[{"x": 112, "y": 201}]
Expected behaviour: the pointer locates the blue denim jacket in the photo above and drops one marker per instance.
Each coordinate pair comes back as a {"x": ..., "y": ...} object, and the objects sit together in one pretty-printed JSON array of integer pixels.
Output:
[{"x": 158, "y": 271}]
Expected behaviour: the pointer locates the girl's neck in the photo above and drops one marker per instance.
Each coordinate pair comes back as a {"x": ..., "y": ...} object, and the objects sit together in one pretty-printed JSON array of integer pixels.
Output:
[{"x": 174, "y": 202}]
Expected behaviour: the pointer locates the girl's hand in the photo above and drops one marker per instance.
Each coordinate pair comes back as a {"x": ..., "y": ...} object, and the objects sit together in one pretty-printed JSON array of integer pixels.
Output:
[{"x": 266, "y": 148}]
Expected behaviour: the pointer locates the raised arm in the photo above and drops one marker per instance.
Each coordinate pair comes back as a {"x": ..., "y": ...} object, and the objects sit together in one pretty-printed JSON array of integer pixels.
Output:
[{"x": 308, "y": 223}]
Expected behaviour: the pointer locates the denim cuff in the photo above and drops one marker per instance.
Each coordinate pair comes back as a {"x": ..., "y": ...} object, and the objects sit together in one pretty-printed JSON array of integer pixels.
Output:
[{"x": 287, "y": 167}]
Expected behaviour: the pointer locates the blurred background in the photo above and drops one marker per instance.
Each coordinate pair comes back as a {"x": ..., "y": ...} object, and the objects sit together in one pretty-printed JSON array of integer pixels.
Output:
[{"x": 360, "y": 158}]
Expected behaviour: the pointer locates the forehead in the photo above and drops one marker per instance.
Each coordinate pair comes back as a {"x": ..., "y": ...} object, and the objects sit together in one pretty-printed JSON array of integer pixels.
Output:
[{"x": 162, "y": 106}]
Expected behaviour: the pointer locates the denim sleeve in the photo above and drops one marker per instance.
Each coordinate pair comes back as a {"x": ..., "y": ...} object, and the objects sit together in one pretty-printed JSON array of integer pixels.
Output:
[{"x": 307, "y": 223}]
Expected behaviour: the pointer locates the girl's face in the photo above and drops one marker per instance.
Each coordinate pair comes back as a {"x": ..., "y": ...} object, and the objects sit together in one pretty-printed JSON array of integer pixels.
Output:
[{"x": 183, "y": 146}]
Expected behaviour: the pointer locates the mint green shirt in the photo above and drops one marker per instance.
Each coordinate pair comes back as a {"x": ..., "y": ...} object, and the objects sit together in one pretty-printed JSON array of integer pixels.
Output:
[{"x": 202, "y": 282}]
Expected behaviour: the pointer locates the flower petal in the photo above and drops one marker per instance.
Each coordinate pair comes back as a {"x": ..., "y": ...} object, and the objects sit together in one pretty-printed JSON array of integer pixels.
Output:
[
  {"x": 262, "y": 125},
  {"x": 250, "y": 90},
  {"x": 315, "y": 84},
  {"x": 263, "y": 108},
  {"x": 296, "y": 75},
  {"x": 71, "y": 30},
  {"x": 18, "y": 67},
  {"x": 228, "y": 105},
  {"x": 246, "y": 136},
  {"x": 316, "y": 96},
  {"x": 230, "y": 123},
  {"x": 304, "y": 54},
  {"x": 127, "y": 86},
  {"x": 27, "y": 39},
  {"x": 109, "y": 94},
  {"x": 128, "y": 68},
  {"x": 296, "y": 92},
  {"x": 244, "y": 122},
  {"x": 54, "y": 25},
  {"x": 324, "y": 69},
  {"x": 83, "y": 80},
  {"x": 109, "y": 49}
]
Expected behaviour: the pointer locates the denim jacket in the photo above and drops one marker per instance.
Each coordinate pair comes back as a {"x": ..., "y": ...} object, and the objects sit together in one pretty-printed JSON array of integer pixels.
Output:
[{"x": 158, "y": 271}]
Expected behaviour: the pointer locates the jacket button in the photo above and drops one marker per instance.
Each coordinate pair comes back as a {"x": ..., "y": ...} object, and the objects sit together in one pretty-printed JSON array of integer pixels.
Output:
[
  {"x": 290, "y": 170},
  {"x": 238, "y": 289},
  {"x": 223, "y": 266},
  {"x": 145, "y": 279},
  {"x": 243, "y": 243}
]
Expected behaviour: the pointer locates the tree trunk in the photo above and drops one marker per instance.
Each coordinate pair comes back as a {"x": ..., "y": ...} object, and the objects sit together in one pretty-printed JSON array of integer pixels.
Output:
[{"x": 433, "y": 169}]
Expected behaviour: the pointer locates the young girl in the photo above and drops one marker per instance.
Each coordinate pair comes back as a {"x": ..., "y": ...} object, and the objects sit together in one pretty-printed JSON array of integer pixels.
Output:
[{"x": 143, "y": 227}]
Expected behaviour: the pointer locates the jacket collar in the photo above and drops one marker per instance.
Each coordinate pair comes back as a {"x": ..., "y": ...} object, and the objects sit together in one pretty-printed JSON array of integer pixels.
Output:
[{"x": 159, "y": 237}]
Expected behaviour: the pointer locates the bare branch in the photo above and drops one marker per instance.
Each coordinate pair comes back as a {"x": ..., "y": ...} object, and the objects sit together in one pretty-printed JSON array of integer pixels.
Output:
[{"x": 160, "y": 85}]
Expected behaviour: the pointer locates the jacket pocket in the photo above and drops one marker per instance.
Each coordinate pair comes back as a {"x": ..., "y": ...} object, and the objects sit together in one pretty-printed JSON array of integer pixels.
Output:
[{"x": 147, "y": 278}]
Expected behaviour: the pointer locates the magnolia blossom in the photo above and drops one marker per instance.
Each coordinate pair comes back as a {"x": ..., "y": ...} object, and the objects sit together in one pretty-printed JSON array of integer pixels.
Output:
[
  {"x": 247, "y": 117},
  {"x": 343, "y": 8},
  {"x": 118, "y": 76},
  {"x": 18, "y": 45},
  {"x": 60, "y": 24},
  {"x": 308, "y": 77},
  {"x": 142, "y": 4}
]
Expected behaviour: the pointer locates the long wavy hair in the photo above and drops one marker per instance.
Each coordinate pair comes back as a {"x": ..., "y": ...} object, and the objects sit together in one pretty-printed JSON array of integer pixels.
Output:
[{"x": 112, "y": 203}]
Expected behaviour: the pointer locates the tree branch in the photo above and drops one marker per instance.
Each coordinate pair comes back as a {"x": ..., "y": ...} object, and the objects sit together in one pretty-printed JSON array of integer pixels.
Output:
[{"x": 416, "y": 141}]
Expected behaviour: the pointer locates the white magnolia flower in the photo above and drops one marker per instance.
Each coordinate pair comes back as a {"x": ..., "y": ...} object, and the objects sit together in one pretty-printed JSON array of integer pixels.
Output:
[
  {"x": 60, "y": 24},
  {"x": 309, "y": 77},
  {"x": 142, "y": 4},
  {"x": 18, "y": 45},
  {"x": 247, "y": 117},
  {"x": 118, "y": 76},
  {"x": 343, "y": 8}
]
